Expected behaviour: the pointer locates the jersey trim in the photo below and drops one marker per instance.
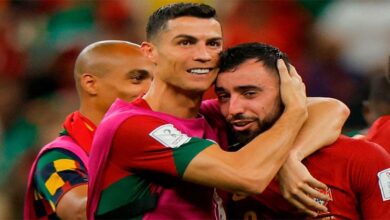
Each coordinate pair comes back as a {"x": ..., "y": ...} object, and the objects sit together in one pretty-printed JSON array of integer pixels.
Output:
[
  {"x": 184, "y": 154},
  {"x": 138, "y": 200}
]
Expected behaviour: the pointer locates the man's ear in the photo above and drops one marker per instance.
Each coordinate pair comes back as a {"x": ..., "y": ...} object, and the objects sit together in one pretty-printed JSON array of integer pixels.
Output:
[
  {"x": 88, "y": 83},
  {"x": 149, "y": 50}
]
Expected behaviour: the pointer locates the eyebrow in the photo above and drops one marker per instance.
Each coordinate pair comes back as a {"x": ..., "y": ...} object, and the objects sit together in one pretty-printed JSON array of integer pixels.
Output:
[
  {"x": 219, "y": 89},
  {"x": 240, "y": 88},
  {"x": 247, "y": 87},
  {"x": 186, "y": 36},
  {"x": 141, "y": 72}
]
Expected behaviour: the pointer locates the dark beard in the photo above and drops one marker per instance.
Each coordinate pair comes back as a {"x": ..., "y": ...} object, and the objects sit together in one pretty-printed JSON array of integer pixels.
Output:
[{"x": 244, "y": 137}]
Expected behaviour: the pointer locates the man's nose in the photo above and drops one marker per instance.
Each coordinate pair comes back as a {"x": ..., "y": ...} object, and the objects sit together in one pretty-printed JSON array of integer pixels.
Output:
[
  {"x": 202, "y": 53},
  {"x": 235, "y": 106}
]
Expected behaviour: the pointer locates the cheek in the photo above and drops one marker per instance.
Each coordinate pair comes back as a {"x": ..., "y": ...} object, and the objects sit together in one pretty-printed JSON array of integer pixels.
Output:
[
  {"x": 268, "y": 107},
  {"x": 258, "y": 108},
  {"x": 134, "y": 90},
  {"x": 216, "y": 55},
  {"x": 145, "y": 85}
]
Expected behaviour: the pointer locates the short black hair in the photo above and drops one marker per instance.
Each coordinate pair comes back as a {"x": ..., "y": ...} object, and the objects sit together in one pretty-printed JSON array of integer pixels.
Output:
[
  {"x": 234, "y": 56},
  {"x": 159, "y": 18}
]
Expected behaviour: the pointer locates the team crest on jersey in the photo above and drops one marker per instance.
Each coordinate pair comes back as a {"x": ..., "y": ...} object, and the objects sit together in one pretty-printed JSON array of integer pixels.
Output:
[
  {"x": 384, "y": 183},
  {"x": 327, "y": 192},
  {"x": 169, "y": 136}
]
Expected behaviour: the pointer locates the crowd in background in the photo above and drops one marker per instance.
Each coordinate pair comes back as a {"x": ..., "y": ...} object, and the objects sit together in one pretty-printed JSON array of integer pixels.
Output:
[{"x": 336, "y": 46}]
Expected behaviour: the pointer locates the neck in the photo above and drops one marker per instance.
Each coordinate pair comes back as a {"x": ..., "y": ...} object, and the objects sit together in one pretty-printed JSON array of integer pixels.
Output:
[
  {"x": 92, "y": 114},
  {"x": 173, "y": 101}
]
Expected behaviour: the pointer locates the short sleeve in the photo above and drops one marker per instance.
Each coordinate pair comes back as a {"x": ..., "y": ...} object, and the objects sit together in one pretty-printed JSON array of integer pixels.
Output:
[
  {"x": 145, "y": 143},
  {"x": 57, "y": 172}
]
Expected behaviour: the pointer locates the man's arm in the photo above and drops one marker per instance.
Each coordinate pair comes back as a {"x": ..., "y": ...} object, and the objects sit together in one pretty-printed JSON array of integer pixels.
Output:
[
  {"x": 73, "y": 203},
  {"x": 250, "y": 169},
  {"x": 326, "y": 116},
  {"x": 61, "y": 178}
]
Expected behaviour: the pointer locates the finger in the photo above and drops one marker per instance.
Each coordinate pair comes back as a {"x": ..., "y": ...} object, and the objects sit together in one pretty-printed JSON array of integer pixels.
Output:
[
  {"x": 304, "y": 88},
  {"x": 283, "y": 72},
  {"x": 309, "y": 202},
  {"x": 313, "y": 193},
  {"x": 302, "y": 208},
  {"x": 315, "y": 187},
  {"x": 294, "y": 73},
  {"x": 316, "y": 183}
]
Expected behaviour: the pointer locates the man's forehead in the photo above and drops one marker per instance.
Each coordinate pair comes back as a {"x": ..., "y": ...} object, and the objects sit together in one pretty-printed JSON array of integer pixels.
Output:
[
  {"x": 249, "y": 73},
  {"x": 189, "y": 23}
]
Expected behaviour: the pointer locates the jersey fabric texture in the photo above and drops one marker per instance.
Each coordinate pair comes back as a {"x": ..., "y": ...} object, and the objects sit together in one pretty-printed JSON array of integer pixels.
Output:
[
  {"x": 136, "y": 170},
  {"x": 357, "y": 173},
  {"x": 380, "y": 132},
  {"x": 59, "y": 167}
]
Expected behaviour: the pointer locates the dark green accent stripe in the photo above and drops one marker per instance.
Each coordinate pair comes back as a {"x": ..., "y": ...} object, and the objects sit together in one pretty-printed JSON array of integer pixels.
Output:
[
  {"x": 184, "y": 154},
  {"x": 64, "y": 132},
  {"x": 130, "y": 196}
]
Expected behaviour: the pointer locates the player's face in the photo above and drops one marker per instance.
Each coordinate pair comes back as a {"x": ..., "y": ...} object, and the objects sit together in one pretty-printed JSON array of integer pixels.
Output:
[
  {"x": 187, "y": 52},
  {"x": 249, "y": 99},
  {"x": 128, "y": 77}
]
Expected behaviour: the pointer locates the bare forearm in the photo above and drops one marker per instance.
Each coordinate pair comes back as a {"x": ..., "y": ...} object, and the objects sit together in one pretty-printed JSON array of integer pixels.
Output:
[
  {"x": 323, "y": 126},
  {"x": 73, "y": 204},
  {"x": 249, "y": 170}
]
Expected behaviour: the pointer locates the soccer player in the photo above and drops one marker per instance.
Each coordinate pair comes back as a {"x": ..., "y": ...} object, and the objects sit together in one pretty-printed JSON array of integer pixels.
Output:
[
  {"x": 377, "y": 111},
  {"x": 144, "y": 150},
  {"x": 104, "y": 71},
  {"x": 356, "y": 171}
]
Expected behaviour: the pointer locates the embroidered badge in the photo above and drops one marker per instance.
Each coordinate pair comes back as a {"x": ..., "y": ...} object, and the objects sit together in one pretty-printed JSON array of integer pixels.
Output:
[
  {"x": 384, "y": 183},
  {"x": 324, "y": 215},
  {"x": 169, "y": 136}
]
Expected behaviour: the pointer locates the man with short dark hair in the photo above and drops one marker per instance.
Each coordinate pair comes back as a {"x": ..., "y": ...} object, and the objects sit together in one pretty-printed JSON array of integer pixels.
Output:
[
  {"x": 356, "y": 171},
  {"x": 148, "y": 147}
]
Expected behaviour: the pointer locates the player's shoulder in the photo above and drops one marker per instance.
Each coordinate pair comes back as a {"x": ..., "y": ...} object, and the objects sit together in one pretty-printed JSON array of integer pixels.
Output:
[
  {"x": 139, "y": 127},
  {"x": 383, "y": 121},
  {"x": 139, "y": 121},
  {"x": 56, "y": 154},
  {"x": 358, "y": 146},
  {"x": 359, "y": 150},
  {"x": 132, "y": 115}
]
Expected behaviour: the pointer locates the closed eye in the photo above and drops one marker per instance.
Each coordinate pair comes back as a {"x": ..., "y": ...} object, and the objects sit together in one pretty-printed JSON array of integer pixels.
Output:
[
  {"x": 223, "y": 97},
  {"x": 137, "y": 76},
  {"x": 250, "y": 94}
]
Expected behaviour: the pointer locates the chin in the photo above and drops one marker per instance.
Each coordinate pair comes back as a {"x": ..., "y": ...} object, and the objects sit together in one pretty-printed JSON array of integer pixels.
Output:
[
  {"x": 246, "y": 136},
  {"x": 200, "y": 88}
]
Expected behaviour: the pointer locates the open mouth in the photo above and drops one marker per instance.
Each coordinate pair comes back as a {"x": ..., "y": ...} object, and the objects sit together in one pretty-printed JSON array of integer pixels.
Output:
[
  {"x": 241, "y": 125},
  {"x": 200, "y": 71}
]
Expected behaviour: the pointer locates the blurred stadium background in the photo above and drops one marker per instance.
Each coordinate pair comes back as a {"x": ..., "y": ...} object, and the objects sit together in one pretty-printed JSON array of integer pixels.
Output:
[{"x": 336, "y": 45}]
